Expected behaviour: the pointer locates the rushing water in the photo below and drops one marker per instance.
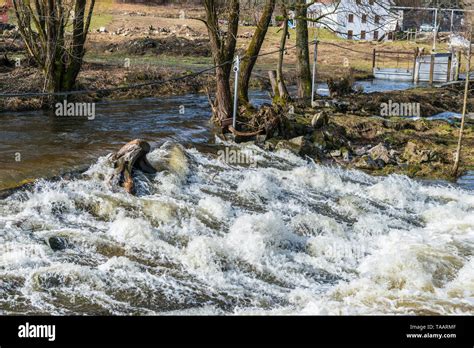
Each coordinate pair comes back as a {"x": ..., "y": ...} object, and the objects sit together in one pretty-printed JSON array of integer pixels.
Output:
[
  {"x": 39, "y": 144},
  {"x": 204, "y": 237},
  {"x": 47, "y": 144}
]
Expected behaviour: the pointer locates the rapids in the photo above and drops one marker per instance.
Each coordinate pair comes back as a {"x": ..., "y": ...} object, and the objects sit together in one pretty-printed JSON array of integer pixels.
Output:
[{"x": 204, "y": 237}]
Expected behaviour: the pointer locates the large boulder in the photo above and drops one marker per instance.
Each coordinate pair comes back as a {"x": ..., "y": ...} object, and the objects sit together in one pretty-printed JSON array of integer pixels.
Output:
[
  {"x": 299, "y": 145},
  {"x": 318, "y": 139},
  {"x": 381, "y": 152},
  {"x": 58, "y": 243},
  {"x": 172, "y": 158},
  {"x": 367, "y": 162},
  {"x": 414, "y": 154}
]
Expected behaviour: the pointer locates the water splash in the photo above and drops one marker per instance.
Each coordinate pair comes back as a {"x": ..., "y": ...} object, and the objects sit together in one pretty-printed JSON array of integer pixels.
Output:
[{"x": 205, "y": 237}]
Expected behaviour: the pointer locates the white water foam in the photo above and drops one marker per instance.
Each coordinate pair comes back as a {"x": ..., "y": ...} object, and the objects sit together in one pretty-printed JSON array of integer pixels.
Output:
[{"x": 203, "y": 237}]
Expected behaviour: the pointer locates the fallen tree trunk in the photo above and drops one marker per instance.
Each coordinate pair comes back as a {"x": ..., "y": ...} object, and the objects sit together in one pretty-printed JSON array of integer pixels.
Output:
[{"x": 130, "y": 157}]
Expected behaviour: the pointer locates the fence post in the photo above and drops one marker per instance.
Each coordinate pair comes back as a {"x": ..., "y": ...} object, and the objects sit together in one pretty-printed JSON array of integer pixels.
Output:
[
  {"x": 432, "y": 64},
  {"x": 236, "y": 84},
  {"x": 435, "y": 30},
  {"x": 452, "y": 21},
  {"x": 414, "y": 78},
  {"x": 373, "y": 59},
  {"x": 448, "y": 74},
  {"x": 458, "y": 66},
  {"x": 464, "y": 108},
  {"x": 315, "y": 62}
]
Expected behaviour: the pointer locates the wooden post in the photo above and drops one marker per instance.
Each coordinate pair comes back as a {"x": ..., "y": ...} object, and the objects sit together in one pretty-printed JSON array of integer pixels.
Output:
[
  {"x": 315, "y": 63},
  {"x": 432, "y": 68},
  {"x": 236, "y": 90},
  {"x": 435, "y": 32},
  {"x": 373, "y": 59},
  {"x": 464, "y": 107},
  {"x": 414, "y": 77},
  {"x": 448, "y": 73},
  {"x": 451, "y": 28},
  {"x": 458, "y": 66}
]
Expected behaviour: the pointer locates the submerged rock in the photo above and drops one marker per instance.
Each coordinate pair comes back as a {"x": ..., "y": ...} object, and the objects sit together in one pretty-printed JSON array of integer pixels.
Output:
[
  {"x": 58, "y": 243},
  {"x": 171, "y": 158}
]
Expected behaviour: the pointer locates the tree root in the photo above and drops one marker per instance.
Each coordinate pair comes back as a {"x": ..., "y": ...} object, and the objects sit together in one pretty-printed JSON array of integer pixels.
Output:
[{"x": 130, "y": 157}]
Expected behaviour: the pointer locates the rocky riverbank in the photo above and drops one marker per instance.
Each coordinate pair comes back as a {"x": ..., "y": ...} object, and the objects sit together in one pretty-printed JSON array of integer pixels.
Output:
[
  {"x": 422, "y": 101},
  {"x": 378, "y": 145}
]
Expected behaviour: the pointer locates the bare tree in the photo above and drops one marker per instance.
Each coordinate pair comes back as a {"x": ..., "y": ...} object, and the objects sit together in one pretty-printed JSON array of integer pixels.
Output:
[
  {"x": 44, "y": 26},
  {"x": 223, "y": 49},
  {"x": 282, "y": 90},
  {"x": 253, "y": 50},
  {"x": 302, "y": 51}
]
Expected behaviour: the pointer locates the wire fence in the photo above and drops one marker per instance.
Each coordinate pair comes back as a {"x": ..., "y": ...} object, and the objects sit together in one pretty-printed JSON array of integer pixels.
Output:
[{"x": 366, "y": 55}]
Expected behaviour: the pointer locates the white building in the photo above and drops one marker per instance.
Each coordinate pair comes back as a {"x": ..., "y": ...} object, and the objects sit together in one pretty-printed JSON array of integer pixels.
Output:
[{"x": 356, "y": 19}]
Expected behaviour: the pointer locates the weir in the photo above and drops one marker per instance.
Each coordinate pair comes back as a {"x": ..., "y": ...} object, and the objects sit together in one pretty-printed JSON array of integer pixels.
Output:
[{"x": 415, "y": 66}]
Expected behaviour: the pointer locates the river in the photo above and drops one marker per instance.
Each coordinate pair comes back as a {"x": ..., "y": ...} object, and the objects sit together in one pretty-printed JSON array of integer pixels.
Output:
[{"x": 203, "y": 237}]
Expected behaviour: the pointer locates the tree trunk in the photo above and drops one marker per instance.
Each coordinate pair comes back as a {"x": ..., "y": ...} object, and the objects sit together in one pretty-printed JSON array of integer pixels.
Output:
[
  {"x": 130, "y": 157},
  {"x": 77, "y": 47},
  {"x": 42, "y": 25},
  {"x": 248, "y": 62},
  {"x": 302, "y": 50},
  {"x": 223, "y": 101},
  {"x": 223, "y": 49},
  {"x": 282, "y": 90}
]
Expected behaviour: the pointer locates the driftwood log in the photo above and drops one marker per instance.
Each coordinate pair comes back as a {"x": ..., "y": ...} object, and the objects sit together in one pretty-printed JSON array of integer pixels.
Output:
[{"x": 132, "y": 156}]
